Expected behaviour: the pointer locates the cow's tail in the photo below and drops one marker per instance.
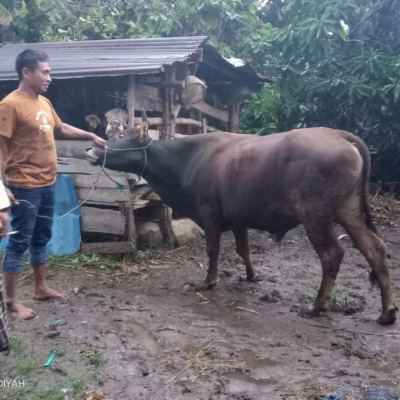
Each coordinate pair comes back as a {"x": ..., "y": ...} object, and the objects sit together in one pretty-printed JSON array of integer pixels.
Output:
[{"x": 364, "y": 189}]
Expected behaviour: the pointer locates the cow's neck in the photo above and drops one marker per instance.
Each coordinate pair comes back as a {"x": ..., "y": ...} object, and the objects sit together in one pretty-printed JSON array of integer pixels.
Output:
[{"x": 166, "y": 163}]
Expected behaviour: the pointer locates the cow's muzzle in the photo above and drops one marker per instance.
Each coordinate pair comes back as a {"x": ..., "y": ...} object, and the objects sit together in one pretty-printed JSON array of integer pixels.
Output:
[{"x": 91, "y": 155}]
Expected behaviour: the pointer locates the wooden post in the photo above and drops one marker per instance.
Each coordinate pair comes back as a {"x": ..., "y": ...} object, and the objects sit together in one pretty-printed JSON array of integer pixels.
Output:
[
  {"x": 131, "y": 101},
  {"x": 234, "y": 118},
  {"x": 130, "y": 235},
  {"x": 168, "y": 130}
]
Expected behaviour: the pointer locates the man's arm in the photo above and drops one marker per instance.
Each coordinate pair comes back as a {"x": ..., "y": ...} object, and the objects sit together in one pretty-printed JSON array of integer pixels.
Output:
[{"x": 70, "y": 132}]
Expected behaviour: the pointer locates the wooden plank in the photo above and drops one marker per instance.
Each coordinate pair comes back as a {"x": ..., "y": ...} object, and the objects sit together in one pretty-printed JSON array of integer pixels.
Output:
[
  {"x": 106, "y": 196},
  {"x": 147, "y": 97},
  {"x": 178, "y": 121},
  {"x": 108, "y": 247},
  {"x": 76, "y": 166},
  {"x": 103, "y": 182},
  {"x": 211, "y": 111},
  {"x": 131, "y": 101},
  {"x": 102, "y": 221}
]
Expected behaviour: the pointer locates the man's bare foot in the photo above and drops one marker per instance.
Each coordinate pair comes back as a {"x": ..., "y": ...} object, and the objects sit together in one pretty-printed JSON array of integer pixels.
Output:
[
  {"x": 45, "y": 293},
  {"x": 19, "y": 310}
]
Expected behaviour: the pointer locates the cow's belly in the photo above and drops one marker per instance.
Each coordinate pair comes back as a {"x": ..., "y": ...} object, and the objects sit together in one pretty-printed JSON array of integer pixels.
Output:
[{"x": 277, "y": 222}]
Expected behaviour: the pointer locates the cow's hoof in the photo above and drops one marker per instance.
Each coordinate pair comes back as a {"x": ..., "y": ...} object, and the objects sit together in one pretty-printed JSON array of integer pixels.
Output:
[
  {"x": 206, "y": 285},
  {"x": 309, "y": 312},
  {"x": 255, "y": 278},
  {"x": 387, "y": 317}
]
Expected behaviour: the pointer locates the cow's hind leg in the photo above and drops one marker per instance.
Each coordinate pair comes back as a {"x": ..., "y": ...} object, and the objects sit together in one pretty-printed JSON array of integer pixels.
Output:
[
  {"x": 374, "y": 250},
  {"x": 242, "y": 248},
  {"x": 325, "y": 243}
]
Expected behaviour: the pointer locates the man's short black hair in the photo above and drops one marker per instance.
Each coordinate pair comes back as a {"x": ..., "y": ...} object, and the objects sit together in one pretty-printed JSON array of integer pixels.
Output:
[{"x": 29, "y": 59}]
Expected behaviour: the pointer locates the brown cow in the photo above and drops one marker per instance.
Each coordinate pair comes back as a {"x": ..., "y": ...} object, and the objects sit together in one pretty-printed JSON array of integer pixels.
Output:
[{"x": 227, "y": 181}]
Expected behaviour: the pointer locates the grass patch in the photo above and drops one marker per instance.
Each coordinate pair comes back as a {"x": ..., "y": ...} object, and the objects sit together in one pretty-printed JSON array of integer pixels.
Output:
[
  {"x": 94, "y": 357},
  {"x": 88, "y": 260},
  {"x": 27, "y": 366},
  {"x": 346, "y": 302},
  {"x": 78, "y": 384},
  {"x": 306, "y": 297},
  {"x": 52, "y": 394},
  {"x": 15, "y": 345}
]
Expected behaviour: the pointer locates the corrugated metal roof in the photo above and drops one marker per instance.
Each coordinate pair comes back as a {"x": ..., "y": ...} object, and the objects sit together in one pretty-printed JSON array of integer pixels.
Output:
[{"x": 104, "y": 57}]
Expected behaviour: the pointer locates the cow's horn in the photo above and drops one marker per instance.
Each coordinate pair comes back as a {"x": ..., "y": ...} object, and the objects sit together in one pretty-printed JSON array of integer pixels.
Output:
[{"x": 144, "y": 115}]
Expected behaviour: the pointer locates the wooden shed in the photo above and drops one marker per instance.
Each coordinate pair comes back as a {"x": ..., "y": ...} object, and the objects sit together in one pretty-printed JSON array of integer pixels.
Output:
[{"x": 186, "y": 87}]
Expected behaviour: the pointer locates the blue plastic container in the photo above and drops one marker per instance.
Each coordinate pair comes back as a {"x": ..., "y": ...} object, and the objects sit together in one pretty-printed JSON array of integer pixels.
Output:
[{"x": 66, "y": 232}]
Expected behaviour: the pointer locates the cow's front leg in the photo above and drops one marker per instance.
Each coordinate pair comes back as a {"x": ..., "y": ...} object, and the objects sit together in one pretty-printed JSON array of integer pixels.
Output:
[{"x": 242, "y": 248}]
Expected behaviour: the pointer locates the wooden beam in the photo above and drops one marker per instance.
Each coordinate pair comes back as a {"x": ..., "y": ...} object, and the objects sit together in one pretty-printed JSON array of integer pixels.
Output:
[
  {"x": 211, "y": 111},
  {"x": 130, "y": 230},
  {"x": 168, "y": 131},
  {"x": 178, "y": 121},
  {"x": 131, "y": 101},
  {"x": 102, "y": 196},
  {"x": 234, "y": 117},
  {"x": 103, "y": 182},
  {"x": 108, "y": 247}
]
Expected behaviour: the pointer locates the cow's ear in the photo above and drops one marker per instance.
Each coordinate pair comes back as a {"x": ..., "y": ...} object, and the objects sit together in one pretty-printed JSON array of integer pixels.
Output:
[{"x": 144, "y": 129}]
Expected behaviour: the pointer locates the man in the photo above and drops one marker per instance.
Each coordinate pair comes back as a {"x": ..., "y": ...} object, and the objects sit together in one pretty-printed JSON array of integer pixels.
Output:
[
  {"x": 4, "y": 204},
  {"x": 28, "y": 123}
]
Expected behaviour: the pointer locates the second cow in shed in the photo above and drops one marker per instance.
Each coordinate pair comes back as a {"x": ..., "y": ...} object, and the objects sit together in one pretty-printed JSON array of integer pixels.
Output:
[{"x": 225, "y": 181}]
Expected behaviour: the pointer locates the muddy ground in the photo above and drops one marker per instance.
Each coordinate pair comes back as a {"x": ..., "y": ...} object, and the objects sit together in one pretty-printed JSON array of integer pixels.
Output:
[{"x": 130, "y": 330}]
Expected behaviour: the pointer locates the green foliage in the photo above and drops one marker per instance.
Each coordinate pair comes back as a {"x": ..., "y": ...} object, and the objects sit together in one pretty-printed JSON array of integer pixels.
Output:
[
  {"x": 259, "y": 113},
  {"x": 226, "y": 23},
  {"x": 337, "y": 60},
  {"x": 339, "y": 63}
]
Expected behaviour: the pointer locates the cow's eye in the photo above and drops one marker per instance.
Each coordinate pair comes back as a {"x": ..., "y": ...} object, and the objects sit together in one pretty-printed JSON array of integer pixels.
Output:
[{"x": 121, "y": 135}]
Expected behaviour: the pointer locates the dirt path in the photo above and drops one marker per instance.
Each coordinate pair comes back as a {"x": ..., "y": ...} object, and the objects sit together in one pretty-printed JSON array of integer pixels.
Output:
[{"x": 132, "y": 331}]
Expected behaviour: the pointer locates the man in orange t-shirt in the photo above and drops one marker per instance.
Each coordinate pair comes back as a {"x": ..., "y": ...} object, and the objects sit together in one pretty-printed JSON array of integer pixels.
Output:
[{"x": 28, "y": 123}]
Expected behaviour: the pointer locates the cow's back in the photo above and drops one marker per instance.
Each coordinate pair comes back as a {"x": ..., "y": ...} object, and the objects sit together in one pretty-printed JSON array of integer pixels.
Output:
[{"x": 258, "y": 182}]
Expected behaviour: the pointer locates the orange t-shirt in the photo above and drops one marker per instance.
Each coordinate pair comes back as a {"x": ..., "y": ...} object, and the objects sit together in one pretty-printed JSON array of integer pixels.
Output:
[{"x": 29, "y": 124}]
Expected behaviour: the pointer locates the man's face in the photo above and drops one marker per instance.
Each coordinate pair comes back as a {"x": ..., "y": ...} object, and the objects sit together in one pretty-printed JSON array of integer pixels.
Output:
[{"x": 39, "y": 79}]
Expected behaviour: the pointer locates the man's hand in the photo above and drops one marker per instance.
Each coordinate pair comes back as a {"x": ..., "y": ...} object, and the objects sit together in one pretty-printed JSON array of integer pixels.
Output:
[
  {"x": 98, "y": 141},
  {"x": 4, "y": 217}
]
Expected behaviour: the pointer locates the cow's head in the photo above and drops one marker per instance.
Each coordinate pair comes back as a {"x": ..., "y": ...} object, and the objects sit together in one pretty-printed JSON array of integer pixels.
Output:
[
  {"x": 124, "y": 151},
  {"x": 117, "y": 120}
]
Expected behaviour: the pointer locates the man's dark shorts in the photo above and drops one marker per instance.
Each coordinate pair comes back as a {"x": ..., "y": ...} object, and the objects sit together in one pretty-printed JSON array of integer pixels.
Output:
[{"x": 33, "y": 219}]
